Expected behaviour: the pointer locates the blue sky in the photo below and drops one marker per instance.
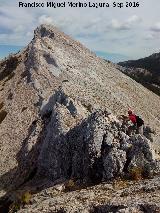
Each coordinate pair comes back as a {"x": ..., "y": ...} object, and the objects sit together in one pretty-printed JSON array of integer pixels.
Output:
[
  {"x": 131, "y": 33},
  {"x": 5, "y": 50}
]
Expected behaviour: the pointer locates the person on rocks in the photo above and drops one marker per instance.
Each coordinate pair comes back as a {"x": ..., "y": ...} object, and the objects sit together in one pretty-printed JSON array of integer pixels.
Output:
[{"x": 138, "y": 123}]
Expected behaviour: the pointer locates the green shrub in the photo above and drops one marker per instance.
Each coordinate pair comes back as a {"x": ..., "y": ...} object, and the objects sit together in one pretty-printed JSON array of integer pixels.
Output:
[{"x": 26, "y": 197}]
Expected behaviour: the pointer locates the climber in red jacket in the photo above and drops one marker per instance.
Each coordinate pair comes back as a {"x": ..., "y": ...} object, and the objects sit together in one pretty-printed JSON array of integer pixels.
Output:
[
  {"x": 138, "y": 123},
  {"x": 132, "y": 117}
]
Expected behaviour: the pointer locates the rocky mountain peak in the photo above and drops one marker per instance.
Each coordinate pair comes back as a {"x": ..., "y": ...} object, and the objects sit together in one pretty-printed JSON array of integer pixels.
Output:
[
  {"x": 60, "y": 117},
  {"x": 44, "y": 31}
]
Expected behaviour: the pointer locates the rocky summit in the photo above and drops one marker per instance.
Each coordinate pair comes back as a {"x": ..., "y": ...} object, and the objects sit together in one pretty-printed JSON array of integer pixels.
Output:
[{"x": 64, "y": 136}]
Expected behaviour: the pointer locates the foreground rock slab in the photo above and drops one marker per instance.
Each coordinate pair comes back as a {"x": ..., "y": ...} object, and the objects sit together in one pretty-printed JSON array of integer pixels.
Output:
[{"x": 119, "y": 196}]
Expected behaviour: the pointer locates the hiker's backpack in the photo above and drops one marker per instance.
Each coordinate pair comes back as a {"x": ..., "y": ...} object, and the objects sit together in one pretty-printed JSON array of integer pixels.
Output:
[{"x": 139, "y": 121}]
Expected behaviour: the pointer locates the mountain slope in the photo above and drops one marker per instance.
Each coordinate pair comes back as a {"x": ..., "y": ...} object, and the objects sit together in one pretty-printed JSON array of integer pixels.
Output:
[
  {"x": 49, "y": 88},
  {"x": 148, "y": 72}
]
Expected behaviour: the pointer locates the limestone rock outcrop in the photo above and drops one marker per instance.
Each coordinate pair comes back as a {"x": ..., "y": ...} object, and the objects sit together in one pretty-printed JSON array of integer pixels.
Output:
[{"x": 86, "y": 148}]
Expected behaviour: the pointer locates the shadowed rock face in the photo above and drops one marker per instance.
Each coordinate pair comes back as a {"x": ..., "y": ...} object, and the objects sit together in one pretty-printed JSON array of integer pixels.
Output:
[{"x": 59, "y": 122}]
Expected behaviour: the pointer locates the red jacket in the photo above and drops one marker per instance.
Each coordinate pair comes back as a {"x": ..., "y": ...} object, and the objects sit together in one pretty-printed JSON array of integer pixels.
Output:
[{"x": 132, "y": 118}]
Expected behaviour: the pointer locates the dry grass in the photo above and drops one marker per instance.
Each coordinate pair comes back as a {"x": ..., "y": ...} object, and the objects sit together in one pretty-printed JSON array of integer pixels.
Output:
[
  {"x": 19, "y": 199},
  {"x": 70, "y": 185},
  {"x": 120, "y": 184},
  {"x": 136, "y": 173}
]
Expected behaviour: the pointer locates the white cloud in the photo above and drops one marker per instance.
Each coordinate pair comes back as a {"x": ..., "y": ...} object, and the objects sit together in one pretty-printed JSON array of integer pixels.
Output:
[
  {"x": 19, "y": 29},
  {"x": 153, "y": 32},
  {"x": 29, "y": 34},
  {"x": 44, "y": 19},
  {"x": 134, "y": 19},
  {"x": 117, "y": 25},
  {"x": 156, "y": 27},
  {"x": 126, "y": 24},
  {"x": 149, "y": 36},
  {"x": 152, "y": 36}
]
